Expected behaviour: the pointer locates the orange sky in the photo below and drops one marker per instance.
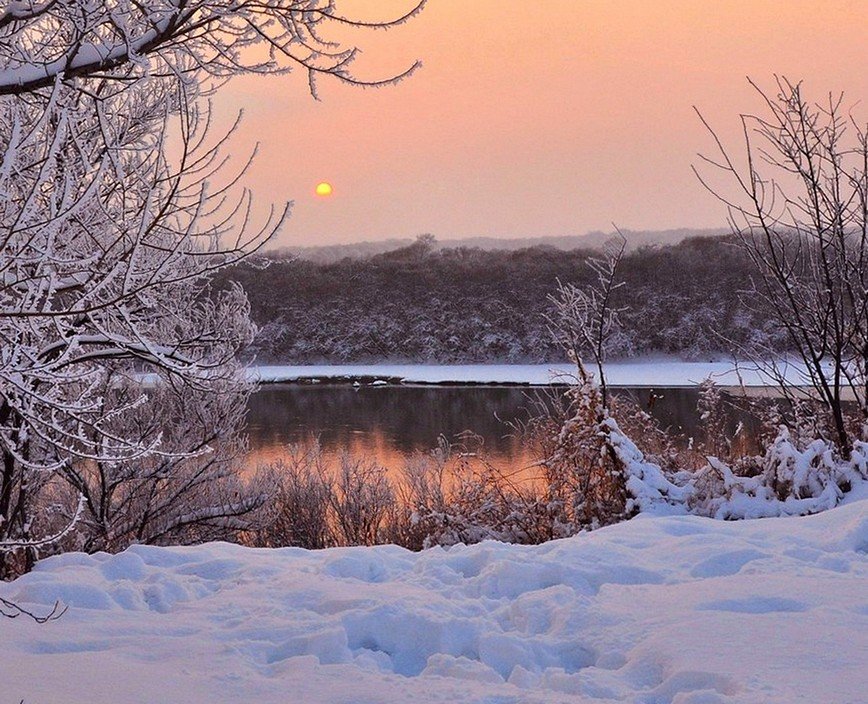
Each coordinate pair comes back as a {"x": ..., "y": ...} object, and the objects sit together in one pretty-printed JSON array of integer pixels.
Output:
[{"x": 542, "y": 118}]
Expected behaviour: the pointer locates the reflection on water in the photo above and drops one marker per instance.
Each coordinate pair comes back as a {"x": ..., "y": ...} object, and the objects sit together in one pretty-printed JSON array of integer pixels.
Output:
[{"x": 388, "y": 423}]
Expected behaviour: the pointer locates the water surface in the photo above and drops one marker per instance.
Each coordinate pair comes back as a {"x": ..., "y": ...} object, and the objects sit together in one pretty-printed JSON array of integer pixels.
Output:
[{"x": 388, "y": 423}]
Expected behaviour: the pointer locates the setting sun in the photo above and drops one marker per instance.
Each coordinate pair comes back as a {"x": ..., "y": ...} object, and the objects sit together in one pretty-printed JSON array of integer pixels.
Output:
[{"x": 324, "y": 189}]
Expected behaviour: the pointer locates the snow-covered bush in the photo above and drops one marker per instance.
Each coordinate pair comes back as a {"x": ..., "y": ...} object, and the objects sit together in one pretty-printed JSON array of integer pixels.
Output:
[
  {"x": 796, "y": 473},
  {"x": 582, "y": 467},
  {"x": 590, "y": 473},
  {"x": 790, "y": 478},
  {"x": 600, "y": 474}
]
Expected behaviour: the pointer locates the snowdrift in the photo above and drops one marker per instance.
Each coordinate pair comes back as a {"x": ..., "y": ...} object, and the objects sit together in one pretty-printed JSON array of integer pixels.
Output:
[{"x": 674, "y": 609}]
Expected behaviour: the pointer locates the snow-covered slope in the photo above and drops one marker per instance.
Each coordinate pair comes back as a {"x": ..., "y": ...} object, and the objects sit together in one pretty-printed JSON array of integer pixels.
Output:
[{"x": 680, "y": 609}]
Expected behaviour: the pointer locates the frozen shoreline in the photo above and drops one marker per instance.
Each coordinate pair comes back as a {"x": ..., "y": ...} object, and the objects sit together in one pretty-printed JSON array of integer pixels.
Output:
[{"x": 663, "y": 373}]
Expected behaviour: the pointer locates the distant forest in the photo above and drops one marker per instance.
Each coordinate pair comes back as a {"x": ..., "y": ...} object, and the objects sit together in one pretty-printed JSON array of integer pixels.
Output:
[
  {"x": 424, "y": 303},
  {"x": 327, "y": 254}
]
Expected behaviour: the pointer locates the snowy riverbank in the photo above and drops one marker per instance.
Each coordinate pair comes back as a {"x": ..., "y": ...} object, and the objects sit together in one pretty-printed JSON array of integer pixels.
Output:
[
  {"x": 661, "y": 373},
  {"x": 678, "y": 609}
]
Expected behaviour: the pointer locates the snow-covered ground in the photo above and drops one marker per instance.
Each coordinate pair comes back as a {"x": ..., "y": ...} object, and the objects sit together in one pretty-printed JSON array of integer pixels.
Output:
[
  {"x": 675, "y": 610},
  {"x": 649, "y": 372}
]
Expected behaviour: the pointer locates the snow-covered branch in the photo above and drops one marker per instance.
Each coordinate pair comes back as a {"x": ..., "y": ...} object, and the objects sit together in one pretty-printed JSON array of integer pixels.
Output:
[{"x": 125, "y": 41}]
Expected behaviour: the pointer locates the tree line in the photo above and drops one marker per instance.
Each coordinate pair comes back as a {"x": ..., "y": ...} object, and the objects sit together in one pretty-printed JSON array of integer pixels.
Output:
[{"x": 426, "y": 304}]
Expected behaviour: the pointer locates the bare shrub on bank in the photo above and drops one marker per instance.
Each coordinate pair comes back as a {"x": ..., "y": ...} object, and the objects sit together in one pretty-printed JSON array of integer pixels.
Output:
[
  {"x": 299, "y": 506},
  {"x": 191, "y": 490},
  {"x": 362, "y": 498},
  {"x": 443, "y": 497},
  {"x": 478, "y": 501},
  {"x": 321, "y": 501},
  {"x": 453, "y": 494}
]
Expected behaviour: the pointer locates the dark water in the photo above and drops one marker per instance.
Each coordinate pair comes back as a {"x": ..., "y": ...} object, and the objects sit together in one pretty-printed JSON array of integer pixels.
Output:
[{"x": 387, "y": 423}]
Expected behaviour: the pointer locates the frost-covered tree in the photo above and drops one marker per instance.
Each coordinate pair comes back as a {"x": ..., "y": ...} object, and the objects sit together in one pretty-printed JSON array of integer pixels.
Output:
[
  {"x": 105, "y": 254},
  {"x": 798, "y": 202},
  {"x": 115, "y": 211}
]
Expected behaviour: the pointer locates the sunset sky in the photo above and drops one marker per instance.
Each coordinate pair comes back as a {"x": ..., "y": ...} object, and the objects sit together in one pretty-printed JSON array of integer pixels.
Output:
[{"x": 529, "y": 119}]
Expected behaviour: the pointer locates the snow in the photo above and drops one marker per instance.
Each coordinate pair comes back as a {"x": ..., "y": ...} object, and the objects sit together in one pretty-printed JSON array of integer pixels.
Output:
[
  {"x": 666, "y": 372},
  {"x": 787, "y": 481},
  {"x": 674, "y": 609}
]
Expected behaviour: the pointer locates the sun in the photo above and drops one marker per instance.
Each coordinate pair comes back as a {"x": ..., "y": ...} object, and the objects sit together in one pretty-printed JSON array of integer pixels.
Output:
[{"x": 324, "y": 189}]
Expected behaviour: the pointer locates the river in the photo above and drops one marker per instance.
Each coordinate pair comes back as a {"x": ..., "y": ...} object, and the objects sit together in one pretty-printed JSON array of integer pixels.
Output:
[{"x": 386, "y": 423}]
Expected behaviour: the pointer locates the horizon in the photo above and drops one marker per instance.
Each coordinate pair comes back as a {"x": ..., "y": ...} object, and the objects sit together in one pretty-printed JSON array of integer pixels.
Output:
[{"x": 460, "y": 241}]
